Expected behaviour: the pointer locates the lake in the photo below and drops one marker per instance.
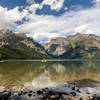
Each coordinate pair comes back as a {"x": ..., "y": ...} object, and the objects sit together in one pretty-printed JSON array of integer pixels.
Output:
[{"x": 17, "y": 73}]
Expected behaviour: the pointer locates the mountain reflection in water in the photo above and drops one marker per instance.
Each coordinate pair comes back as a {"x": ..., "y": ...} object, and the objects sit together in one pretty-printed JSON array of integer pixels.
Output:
[{"x": 16, "y": 73}]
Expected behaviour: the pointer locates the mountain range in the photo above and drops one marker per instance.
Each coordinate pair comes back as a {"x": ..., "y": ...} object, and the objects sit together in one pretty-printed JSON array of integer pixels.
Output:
[
  {"x": 85, "y": 46},
  {"x": 19, "y": 46}
]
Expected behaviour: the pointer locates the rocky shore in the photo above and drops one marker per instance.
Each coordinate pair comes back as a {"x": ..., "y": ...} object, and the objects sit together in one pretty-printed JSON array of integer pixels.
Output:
[{"x": 59, "y": 92}]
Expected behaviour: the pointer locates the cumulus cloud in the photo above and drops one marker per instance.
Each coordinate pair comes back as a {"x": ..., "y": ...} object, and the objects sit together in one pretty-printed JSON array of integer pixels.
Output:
[
  {"x": 46, "y": 27},
  {"x": 8, "y": 18},
  {"x": 54, "y": 4},
  {"x": 84, "y": 29}
]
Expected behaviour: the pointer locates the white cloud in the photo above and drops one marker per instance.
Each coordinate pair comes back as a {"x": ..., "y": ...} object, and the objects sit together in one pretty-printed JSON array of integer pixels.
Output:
[
  {"x": 9, "y": 17},
  {"x": 46, "y": 27},
  {"x": 32, "y": 8},
  {"x": 54, "y": 4},
  {"x": 97, "y": 1},
  {"x": 84, "y": 29}
]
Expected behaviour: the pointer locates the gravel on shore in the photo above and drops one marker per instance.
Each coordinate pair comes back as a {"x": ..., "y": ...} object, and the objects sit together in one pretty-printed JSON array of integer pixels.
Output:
[{"x": 59, "y": 92}]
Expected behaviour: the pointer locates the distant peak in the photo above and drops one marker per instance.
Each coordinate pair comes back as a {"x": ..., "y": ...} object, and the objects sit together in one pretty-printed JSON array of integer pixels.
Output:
[
  {"x": 7, "y": 31},
  {"x": 80, "y": 33},
  {"x": 85, "y": 34}
]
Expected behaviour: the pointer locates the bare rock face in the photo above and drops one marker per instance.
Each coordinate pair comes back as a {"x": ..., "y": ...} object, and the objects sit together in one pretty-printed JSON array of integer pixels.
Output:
[
  {"x": 8, "y": 37},
  {"x": 20, "y": 45},
  {"x": 74, "y": 45},
  {"x": 5, "y": 31},
  {"x": 57, "y": 46}
]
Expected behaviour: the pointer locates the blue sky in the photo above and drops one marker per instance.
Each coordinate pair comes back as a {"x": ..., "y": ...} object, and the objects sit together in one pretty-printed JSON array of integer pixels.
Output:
[
  {"x": 47, "y": 19},
  {"x": 10, "y": 4}
]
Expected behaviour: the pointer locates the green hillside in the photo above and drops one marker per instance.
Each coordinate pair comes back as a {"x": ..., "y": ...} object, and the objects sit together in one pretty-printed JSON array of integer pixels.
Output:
[{"x": 19, "y": 46}]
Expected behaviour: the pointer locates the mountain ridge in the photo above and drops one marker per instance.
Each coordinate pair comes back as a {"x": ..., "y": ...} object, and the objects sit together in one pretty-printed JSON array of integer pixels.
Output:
[
  {"x": 75, "y": 46},
  {"x": 19, "y": 46}
]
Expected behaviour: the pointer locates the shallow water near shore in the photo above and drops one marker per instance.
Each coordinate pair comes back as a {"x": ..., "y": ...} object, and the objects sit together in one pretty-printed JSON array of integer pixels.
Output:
[{"x": 18, "y": 73}]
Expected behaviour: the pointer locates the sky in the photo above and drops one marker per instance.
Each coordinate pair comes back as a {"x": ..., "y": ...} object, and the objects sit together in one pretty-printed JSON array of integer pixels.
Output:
[{"x": 44, "y": 20}]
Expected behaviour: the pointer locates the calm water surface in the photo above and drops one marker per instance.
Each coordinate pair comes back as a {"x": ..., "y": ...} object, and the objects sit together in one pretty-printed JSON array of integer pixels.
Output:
[{"x": 14, "y": 73}]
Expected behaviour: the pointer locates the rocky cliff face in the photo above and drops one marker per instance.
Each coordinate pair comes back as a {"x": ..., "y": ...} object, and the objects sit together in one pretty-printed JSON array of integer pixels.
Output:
[
  {"x": 57, "y": 46},
  {"x": 75, "y": 46},
  {"x": 20, "y": 45}
]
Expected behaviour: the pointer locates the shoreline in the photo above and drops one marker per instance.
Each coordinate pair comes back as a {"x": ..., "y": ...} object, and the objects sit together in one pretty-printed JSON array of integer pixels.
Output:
[
  {"x": 48, "y": 60},
  {"x": 63, "y": 91}
]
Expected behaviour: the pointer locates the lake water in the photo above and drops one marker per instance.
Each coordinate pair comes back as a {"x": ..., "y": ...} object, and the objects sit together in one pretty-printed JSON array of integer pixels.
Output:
[{"x": 16, "y": 73}]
